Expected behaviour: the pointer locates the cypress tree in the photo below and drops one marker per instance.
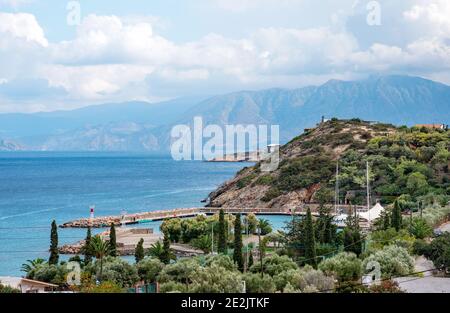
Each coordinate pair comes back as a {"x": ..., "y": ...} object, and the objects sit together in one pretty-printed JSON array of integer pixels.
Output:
[
  {"x": 167, "y": 254},
  {"x": 396, "y": 219},
  {"x": 310, "y": 241},
  {"x": 139, "y": 253},
  {"x": 222, "y": 244},
  {"x": 250, "y": 259},
  {"x": 112, "y": 241},
  {"x": 87, "y": 247},
  {"x": 54, "y": 253},
  {"x": 386, "y": 220},
  {"x": 237, "y": 254}
]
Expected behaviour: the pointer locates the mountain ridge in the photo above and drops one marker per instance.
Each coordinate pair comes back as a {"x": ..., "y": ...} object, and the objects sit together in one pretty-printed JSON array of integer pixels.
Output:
[{"x": 396, "y": 99}]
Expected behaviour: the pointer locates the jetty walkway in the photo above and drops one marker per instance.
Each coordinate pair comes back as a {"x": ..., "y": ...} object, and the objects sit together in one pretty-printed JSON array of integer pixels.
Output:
[{"x": 145, "y": 217}]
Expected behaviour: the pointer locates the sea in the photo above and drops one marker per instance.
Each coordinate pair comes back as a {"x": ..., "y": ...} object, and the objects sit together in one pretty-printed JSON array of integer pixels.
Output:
[{"x": 39, "y": 187}]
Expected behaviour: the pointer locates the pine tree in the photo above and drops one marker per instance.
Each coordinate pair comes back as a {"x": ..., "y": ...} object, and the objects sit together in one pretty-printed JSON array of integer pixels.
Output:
[
  {"x": 237, "y": 254},
  {"x": 54, "y": 253},
  {"x": 310, "y": 242},
  {"x": 112, "y": 241},
  {"x": 222, "y": 241},
  {"x": 139, "y": 253},
  {"x": 87, "y": 247},
  {"x": 396, "y": 219},
  {"x": 167, "y": 253}
]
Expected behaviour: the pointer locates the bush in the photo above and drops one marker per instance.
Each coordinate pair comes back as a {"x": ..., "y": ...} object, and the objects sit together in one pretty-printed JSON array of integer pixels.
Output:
[
  {"x": 421, "y": 247},
  {"x": 265, "y": 180},
  {"x": 215, "y": 279},
  {"x": 305, "y": 280},
  {"x": 104, "y": 287},
  {"x": 149, "y": 268},
  {"x": 274, "y": 265},
  {"x": 118, "y": 271},
  {"x": 54, "y": 274},
  {"x": 344, "y": 267},
  {"x": 393, "y": 260},
  {"x": 257, "y": 284},
  {"x": 440, "y": 251},
  {"x": 386, "y": 286},
  {"x": 271, "y": 194},
  {"x": 420, "y": 229}
]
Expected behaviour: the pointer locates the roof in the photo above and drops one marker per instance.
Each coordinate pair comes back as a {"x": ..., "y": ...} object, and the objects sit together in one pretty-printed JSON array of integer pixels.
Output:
[{"x": 15, "y": 282}]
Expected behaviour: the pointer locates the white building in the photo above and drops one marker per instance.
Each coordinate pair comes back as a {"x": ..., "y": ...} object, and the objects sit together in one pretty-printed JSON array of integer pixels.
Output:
[{"x": 27, "y": 285}]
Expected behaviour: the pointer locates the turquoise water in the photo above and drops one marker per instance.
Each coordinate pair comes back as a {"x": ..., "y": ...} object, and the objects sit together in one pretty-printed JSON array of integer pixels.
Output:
[{"x": 36, "y": 188}]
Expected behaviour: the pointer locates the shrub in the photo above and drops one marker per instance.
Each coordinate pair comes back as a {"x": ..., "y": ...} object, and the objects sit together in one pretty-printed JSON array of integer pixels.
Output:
[
  {"x": 257, "y": 284},
  {"x": 118, "y": 271},
  {"x": 215, "y": 279},
  {"x": 274, "y": 265},
  {"x": 265, "y": 180},
  {"x": 344, "y": 267},
  {"x": 440, "y": 251},
  {"x": 421, "y": 247},
  {"x": 271, "y": 194},
  {"x": 149, "y": 268},
  {"x": 104, "y": 287},
  {"x": 420, "y": 229},
  {"x": 393, "y": 260}
]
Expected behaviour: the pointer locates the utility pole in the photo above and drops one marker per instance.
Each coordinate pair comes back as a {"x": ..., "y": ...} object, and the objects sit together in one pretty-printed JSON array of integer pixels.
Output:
[
  {"x": 260, "y": 251},
  {"x": 212, "y": 238},
  {"x": 336, "y": 190},
  {"x": 368, "y": 190},
  {"x": 246, "y": 246}
]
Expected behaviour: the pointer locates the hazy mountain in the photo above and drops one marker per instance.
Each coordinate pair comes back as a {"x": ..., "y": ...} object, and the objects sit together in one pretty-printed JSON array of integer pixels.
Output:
[
  {"x": 46, "y": 124},
  {"x": 7, "y": 145},
  {"x": 401, "y": 100}
]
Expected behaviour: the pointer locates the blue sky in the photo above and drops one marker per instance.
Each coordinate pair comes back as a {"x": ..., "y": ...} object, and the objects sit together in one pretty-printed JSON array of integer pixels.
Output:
[{"x": 154, "y": 50}]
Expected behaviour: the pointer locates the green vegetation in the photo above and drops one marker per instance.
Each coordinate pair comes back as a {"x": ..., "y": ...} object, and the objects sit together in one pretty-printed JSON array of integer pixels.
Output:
[
  {"x": 87, "y": 247},
  {"x": 112, "y": 241},
  {"x": 139, "y": 252},
  {"x": 54, "y": 252},
  {"x": 223, "y": 233},
  {"x": 237, "y": 248},
  {"x": 100, "y": 250}
]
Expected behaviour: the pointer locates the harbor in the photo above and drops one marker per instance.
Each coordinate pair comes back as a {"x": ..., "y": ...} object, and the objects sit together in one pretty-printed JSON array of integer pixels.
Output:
[{"x": 153, "y": 216}]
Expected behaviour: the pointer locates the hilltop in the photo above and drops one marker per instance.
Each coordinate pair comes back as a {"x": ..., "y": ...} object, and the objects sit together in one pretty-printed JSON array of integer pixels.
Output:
[{"x": 404, "y": 161}]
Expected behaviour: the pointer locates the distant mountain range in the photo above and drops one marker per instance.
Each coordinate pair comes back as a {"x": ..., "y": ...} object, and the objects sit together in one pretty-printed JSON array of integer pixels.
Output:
[{"x": 140, "y": 126}]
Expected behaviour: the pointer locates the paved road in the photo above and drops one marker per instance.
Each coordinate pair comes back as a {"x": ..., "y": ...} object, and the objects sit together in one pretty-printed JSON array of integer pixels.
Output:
[
  {"x": 427, "y": 283},
  {"x": 424, "y": 284}
]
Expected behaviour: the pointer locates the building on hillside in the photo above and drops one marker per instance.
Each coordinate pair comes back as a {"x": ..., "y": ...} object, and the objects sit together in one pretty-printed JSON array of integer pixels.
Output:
[
  {"x": 432, "y": 126},
  {"x": 27, "y": 285}
]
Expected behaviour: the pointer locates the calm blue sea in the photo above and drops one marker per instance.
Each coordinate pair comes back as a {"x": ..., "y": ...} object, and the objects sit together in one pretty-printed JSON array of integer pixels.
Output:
[{"x": 37, "y": 187}]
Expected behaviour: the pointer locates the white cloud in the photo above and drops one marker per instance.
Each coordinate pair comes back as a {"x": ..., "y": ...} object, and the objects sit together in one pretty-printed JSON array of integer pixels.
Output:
[
  {"x": 433, "y": 14},
  {"x": 113, "y": 58},
  {"x": 244, "y": 5},
  {"x": 23, "y": 26}
]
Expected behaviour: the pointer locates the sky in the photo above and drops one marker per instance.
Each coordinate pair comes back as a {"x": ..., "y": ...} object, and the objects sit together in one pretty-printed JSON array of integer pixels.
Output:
[{"x": 57, "y": 54}]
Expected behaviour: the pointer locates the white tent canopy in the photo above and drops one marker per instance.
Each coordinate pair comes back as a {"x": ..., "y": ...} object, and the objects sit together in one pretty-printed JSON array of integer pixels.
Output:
[{"x": 373, "y": 213}]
